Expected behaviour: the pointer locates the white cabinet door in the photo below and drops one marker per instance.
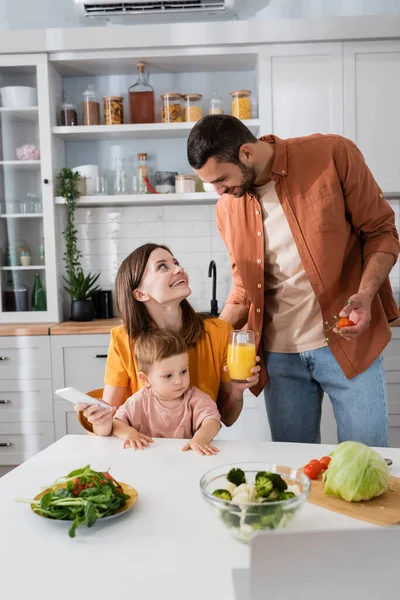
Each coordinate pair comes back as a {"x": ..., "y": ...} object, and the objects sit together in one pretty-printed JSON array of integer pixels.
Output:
[
  {"x": 20, "y": 441},
  {"x": 301, "y": 89},
  {"x": 65, "y": 420},
  {"x": 372, "y": 101},
  {"x": 392, "y": 367}
]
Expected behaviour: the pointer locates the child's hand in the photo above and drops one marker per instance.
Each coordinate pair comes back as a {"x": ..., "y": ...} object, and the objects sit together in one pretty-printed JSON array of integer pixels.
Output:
[
  {"x": 201, "y": 446},
  {"x": 137, "y": 441}
]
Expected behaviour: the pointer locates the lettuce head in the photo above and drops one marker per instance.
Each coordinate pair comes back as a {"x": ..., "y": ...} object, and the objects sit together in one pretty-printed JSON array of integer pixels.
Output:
[{"x": 356, "y": 473}]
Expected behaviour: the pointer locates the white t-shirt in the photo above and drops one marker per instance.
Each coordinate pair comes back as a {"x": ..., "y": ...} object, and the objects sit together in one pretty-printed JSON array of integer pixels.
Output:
[{"x": 293, "y": 320}]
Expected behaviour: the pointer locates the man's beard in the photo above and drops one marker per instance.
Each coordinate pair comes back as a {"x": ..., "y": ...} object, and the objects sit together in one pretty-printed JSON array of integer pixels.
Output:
[{"x": 249, "y": 177}]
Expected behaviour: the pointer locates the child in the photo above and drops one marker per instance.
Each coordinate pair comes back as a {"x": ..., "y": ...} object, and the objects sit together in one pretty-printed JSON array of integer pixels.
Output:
[{"x": 167, "y": 407}]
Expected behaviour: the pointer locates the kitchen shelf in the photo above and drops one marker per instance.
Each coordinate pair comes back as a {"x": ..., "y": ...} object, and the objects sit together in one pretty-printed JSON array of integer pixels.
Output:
[
  {"x": 144, "y": 199},
  {"x": 24, "y": 164},
  {"x": 129, "y": 132},
  {"x": 30, "y": 268},
  {"x": 22, "y": 216},
  {"x": 20, "y": 115}
]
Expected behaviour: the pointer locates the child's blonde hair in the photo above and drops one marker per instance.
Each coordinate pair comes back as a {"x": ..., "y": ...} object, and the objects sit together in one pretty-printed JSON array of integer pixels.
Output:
[{"x": 155, "y": 346}]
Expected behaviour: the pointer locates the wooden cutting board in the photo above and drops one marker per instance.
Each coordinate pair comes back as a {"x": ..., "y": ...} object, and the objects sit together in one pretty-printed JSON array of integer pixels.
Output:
[{"x": 383, "y": 510}]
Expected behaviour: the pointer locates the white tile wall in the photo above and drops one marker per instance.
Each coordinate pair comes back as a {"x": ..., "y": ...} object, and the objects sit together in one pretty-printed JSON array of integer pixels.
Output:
[{"x": 108, "y": 235}]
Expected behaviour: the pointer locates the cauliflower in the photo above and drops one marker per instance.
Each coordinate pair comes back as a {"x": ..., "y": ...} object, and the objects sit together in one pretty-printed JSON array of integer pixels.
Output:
[
  {"x": 244, "y": 494},
  {"x": 230, "y": 487}
]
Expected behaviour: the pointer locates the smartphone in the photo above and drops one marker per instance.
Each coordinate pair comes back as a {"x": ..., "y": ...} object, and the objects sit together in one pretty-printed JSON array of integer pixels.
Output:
[{"x": 77, "y": 397}]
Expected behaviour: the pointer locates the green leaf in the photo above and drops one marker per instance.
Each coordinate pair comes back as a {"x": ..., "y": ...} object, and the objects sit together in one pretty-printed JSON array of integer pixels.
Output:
[
  {"x": 90, "y": 514},
  {"x": 78, "y": 471},
  {"x": 46, "y": 500},
  {"x": 78, "y": 521}
]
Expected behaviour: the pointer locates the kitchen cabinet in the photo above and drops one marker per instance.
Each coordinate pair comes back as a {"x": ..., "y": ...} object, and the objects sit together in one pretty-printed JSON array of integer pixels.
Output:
[
  {"x": 27, "y": 226},
  {"x": 301, "y": 87},
  {"x": 392, "y": 367},
  {"x": 372, "y": 100},
  {"x": 26, "y": 397}
]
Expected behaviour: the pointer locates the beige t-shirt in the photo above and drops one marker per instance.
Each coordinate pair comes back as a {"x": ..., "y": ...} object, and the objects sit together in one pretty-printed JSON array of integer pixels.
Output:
[{"x": 293, "y": 320}]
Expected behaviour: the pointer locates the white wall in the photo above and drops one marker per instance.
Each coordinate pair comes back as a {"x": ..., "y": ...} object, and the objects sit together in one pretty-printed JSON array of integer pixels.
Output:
[{"x": 42, "y": 14}]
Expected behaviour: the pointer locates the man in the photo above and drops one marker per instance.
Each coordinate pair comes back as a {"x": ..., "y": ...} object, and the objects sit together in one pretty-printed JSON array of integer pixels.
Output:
[{"x": 310, "y": 237}]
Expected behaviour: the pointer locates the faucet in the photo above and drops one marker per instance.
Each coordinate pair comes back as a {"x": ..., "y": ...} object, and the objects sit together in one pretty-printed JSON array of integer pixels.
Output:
[{"x": 212, "y": 272}]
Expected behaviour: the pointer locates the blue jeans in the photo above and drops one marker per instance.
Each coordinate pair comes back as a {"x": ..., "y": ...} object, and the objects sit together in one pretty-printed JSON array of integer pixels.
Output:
[{"x": 294, "y": 395}]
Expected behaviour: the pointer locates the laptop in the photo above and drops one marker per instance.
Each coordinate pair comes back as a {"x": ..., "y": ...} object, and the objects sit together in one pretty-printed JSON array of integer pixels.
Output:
[{"x": 360, "y": 564}]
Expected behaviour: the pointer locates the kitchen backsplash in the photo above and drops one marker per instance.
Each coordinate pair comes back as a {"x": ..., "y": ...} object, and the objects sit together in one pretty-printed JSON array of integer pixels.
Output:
[{"x": 109, "y": 234}]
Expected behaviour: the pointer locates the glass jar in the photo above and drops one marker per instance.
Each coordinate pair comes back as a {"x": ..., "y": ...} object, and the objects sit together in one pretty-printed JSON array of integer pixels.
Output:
[
  {"x": 142, "y": 173},
  {"x": 120, "y": 180},
  {"x": 185, "y": 184},
  {"x": 113, "y": 110},
  {"x": 172, "y": 108},
  {"x": 241, "y": 104},
  {"x": 216, "y": 105},
  {"x": 141, "y": 98},
  {"x": 193, "y": 109},
  {"x": 68, "y": 114},
  {"x": 90, "y": 107},
  {"x": 15, "y": 297}
]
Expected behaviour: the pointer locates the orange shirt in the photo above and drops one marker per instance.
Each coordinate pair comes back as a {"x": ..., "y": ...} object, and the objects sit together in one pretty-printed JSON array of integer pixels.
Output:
[
  {"x": 206, "y": 360},
  {"x": 338, "y": 216}
]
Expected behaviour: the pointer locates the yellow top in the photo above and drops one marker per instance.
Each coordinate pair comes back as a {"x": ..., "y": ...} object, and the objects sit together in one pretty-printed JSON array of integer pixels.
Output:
[{"x": 206, "y": 359}]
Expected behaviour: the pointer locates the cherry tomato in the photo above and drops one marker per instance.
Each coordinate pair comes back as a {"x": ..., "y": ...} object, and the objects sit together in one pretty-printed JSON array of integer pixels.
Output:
[
  {"x": 344, "y": 322},
  {"x": 315, "y": 462},
  {"x": 312, "y": 471},
  {"x": 325, "y": 460}
]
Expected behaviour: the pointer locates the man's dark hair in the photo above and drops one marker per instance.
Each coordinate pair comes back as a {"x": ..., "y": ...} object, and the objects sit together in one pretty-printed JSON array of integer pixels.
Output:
[{"x": 220, "y": 136}]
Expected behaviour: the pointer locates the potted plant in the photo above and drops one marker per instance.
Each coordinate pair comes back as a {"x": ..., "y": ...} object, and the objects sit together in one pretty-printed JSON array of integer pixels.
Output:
[{"x": 80, "y": 287}]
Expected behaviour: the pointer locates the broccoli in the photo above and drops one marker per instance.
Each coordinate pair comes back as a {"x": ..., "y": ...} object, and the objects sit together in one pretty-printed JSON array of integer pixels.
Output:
[
  {"x": 223, "y": 494},
  {"x": 230, "y": 518},
  {"x": 286, "y": 495},
  {"x": 264, "y": 485},
  {"x": 273, "y": 497},
  {"x": 236, "y": 476},
  {"x": 264, "y": 517},
  {"x": 276, "y": 479}
]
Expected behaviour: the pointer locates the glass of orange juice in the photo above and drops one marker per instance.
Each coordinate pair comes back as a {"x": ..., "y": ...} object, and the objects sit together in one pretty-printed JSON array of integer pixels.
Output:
[{"x": 241, "y": 355}]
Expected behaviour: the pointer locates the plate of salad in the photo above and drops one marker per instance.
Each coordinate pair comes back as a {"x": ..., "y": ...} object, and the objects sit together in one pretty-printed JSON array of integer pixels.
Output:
[{"x": 83, "y": 497}]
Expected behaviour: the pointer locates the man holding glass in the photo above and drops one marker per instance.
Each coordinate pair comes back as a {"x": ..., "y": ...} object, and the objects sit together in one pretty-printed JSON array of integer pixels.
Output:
[{"x": 311, "y": 240}]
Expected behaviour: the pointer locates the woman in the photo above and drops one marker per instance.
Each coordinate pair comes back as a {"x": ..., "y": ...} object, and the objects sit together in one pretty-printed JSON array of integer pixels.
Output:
[{"x": 151, "y": 291}]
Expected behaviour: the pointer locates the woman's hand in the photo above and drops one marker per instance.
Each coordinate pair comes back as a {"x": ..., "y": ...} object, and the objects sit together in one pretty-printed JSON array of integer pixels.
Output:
[
  {"x": 253, "y": 380},
  {"x": 96, "y": 414}
]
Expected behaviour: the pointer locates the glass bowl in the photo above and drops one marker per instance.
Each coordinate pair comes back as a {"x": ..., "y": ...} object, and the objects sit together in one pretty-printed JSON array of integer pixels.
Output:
[{"x": 245, "y": 521}]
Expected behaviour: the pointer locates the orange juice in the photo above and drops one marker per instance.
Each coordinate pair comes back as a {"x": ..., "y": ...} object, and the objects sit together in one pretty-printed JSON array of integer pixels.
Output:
[{"x": 241, "y": 358}]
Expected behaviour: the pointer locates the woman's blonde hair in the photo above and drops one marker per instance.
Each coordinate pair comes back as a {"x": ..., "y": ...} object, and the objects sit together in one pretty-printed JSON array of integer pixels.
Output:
[{"x": 134, "y": 313}]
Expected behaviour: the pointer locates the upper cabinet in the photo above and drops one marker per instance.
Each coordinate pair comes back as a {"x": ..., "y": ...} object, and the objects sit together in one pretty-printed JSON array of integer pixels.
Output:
[
  {"x": 372, "y": 101},
  {"x": 301, "y": 89},
  {"x": 27, "y": 233}
]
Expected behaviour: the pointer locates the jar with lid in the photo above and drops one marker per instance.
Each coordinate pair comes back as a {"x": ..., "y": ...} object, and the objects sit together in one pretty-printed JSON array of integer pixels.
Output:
[
  {"x": 68, "y": 114},
  {"x": 113, "y": 110},
  {"x": 90, "y": 107},
  {"x": 185, "y": 184},
  {"x": 216, "y": 105},
  {"x": 141, "y": 98},
  {"x": 142, "y": 173},
  {"x": 241, "y": 104},
  {"x": 193, "y": 110},
  {"x": 172, "y": 108},
  {"x": 15, "y": 297}
]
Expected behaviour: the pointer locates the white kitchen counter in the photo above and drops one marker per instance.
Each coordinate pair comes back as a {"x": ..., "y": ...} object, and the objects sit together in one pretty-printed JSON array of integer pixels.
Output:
[{"x": 170, "y": 546}]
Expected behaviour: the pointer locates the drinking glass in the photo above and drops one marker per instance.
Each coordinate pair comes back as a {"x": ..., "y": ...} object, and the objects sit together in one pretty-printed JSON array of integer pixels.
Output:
[
  {"x": 241, "y": 355},
  {"x": 101, "y": 186}
]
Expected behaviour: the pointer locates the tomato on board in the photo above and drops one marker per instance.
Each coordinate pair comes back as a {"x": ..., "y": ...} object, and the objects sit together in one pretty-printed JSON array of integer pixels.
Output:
[
  {"x": 316, "y": 463},
  {"x": 325, "y": 460},
  {"x": 312, "y": 471}
]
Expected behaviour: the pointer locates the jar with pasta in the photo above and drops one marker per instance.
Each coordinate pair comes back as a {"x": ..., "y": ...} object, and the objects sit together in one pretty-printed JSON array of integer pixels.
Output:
[
  {"x": 241, "y": 104},
  {"x": 193, "y": 109},
  {"x": 172, "y": 108},
  {"x": 113, "y": 110}
]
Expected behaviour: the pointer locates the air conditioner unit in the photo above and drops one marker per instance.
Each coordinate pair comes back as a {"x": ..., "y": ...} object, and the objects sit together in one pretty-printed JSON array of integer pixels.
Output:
[{"x": 161, "y": 11}]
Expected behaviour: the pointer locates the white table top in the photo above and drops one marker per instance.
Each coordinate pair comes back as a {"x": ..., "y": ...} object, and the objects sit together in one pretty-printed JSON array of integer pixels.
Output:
[{"x": 170, "y": 546}]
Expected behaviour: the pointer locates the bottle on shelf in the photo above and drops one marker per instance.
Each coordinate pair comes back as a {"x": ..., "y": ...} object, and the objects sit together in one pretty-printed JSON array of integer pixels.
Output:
[
  {"x": 41, "y": 252},
  {"x": 38, "y": 295},
  {"x": 90, "y": 107},
  {"x": 142, "y": 172},
  {"x": 120, "y": 186},
  {"x": 141, "y": 98},
  {"x": 68, "y": 114},
  {"x": 216, "y": 105}
]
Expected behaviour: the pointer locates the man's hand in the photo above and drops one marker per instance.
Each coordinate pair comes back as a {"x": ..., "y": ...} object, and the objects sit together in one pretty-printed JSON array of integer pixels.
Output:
[{"x": 358, "y": 310}]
